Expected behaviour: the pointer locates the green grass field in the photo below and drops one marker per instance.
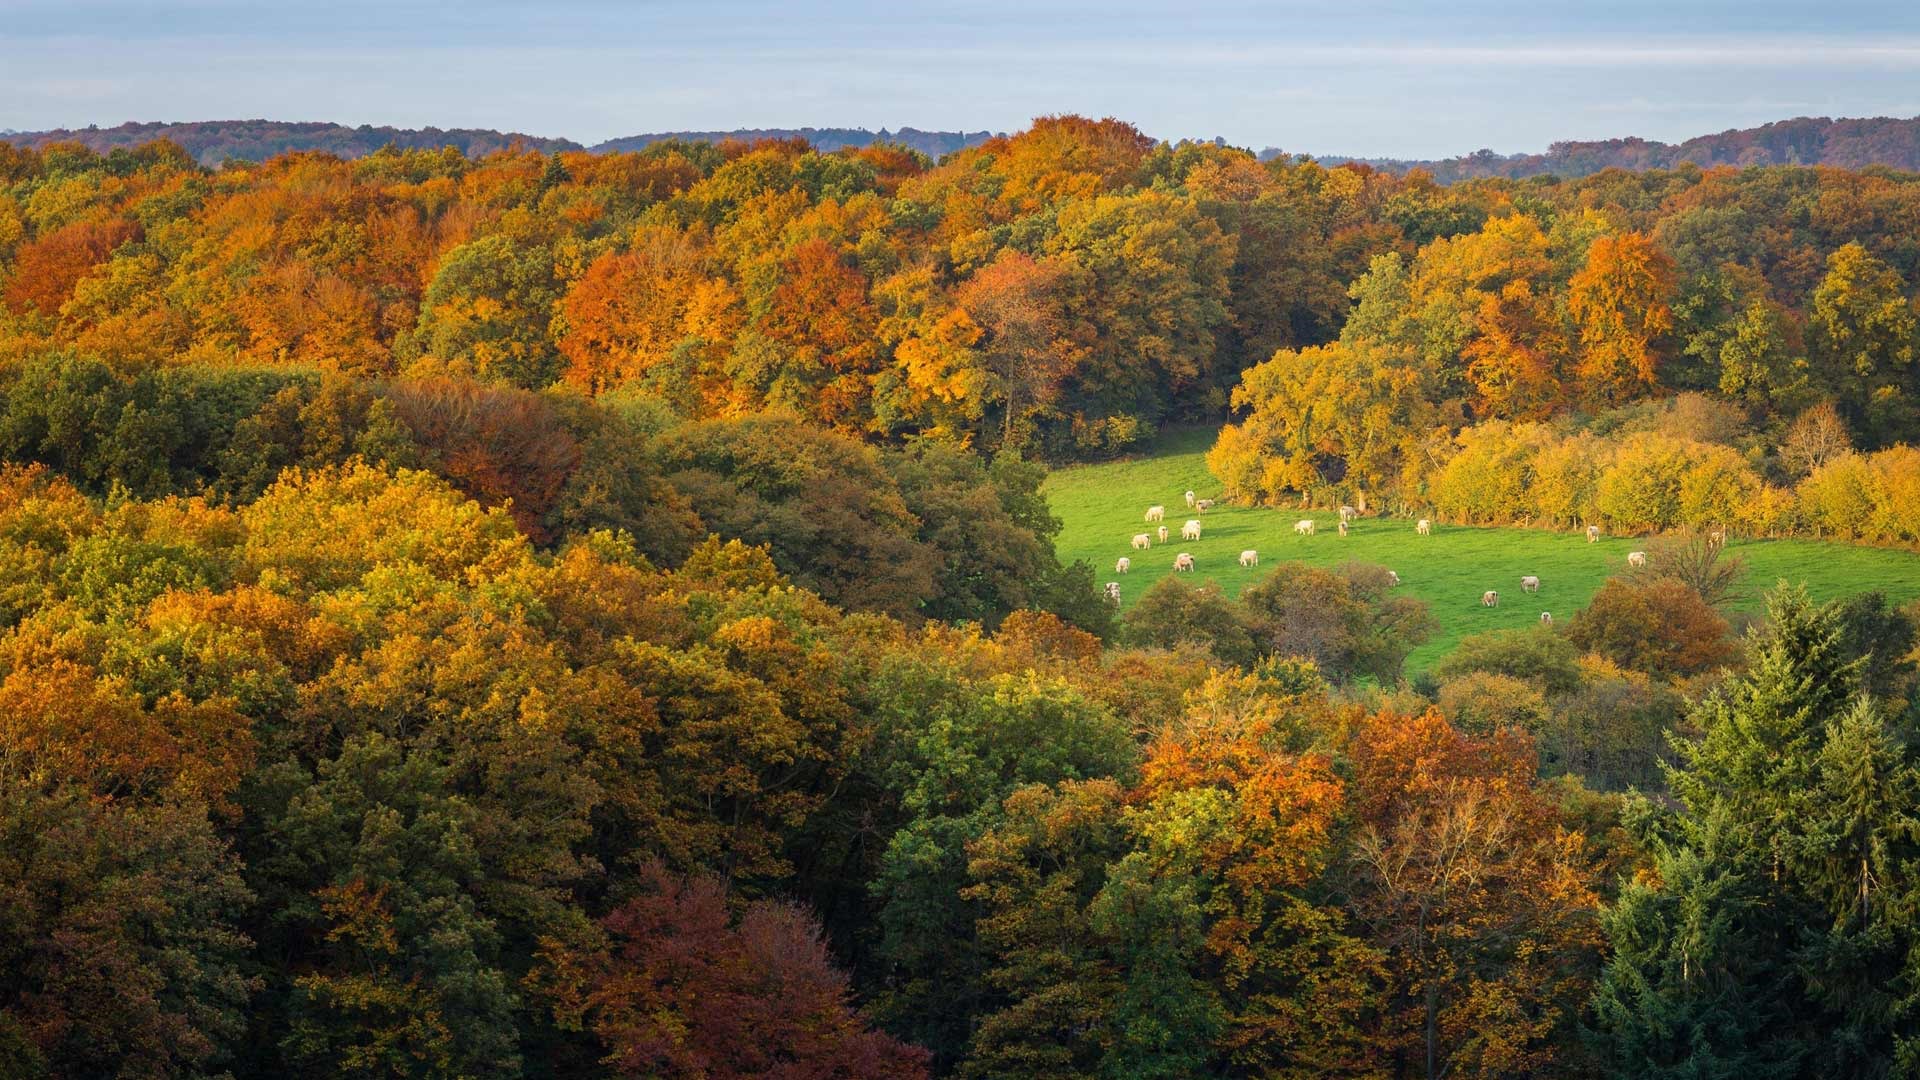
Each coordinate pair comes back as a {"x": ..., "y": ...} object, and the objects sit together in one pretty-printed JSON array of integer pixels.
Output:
[{"x": 1104, "y": 505}]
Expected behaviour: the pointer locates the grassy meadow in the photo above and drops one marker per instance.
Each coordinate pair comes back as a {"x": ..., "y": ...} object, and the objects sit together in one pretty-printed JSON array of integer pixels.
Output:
[{"x": 1103, "y": 506}]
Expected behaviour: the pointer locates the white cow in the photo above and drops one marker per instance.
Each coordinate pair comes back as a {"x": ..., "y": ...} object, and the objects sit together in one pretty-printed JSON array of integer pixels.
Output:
[
  {"x": 1156, "y": 513},
  {"x": 1189, "y": 498},
  {"x": 1203, "y": 505},
  {"x": 1113, "y": 592},
  {"x": 1490, "y": 598},
  {"x": 1593, "y": 534},
  {"x": 1546, "y": 618},
  {"x": 1530, "y": 583},
  {"x": 1190, "y": 531},
  {"x": 1142, "y": 541},
  {"x": 1163, "y": 534},
  {"x": 1303, "y": 527},
  {"x": 1393, "y": 578},
  {"x": 1122, "y": 565},
  {"x": 1717, "y": 538},
  {"x": 1182, "y": 563},
  {"x": 1348, "y": 513},
  {"x": 1424, "y": 527},
  {"x": 1636, "y": 558},
  {"x": 1249, "y": 557},
  {"x": 1343, "y": 528}
]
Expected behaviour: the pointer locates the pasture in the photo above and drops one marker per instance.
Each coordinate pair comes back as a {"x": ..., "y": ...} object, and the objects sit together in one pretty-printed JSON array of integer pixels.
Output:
[{"x": 1102, "y": 507}]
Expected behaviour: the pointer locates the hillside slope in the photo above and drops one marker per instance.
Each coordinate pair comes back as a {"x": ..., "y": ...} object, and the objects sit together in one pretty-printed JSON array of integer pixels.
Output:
[
  {"x": 1807, "y": 140},
  {"x": 213, "y": 141},
  {"x": 934, "y": 144}
]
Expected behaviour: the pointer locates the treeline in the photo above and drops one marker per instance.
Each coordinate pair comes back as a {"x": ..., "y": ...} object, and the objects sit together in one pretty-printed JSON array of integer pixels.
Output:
[
  {"x": 1888, "y": 142},
  {"x": 212, "y": 142},
  {"x": 1776, "y": 304},
  {"x": 355, "y": 780},
  {"x": 934, "y": 144},
  {"x": 1064, "y": 291}
]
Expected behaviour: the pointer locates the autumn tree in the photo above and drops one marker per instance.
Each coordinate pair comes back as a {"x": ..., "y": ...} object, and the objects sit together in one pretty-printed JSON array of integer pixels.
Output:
[
  {"x": 658, "y": 312},
  {"x": 1029, "y": 345},
  {"x": 1620, "y": 300},
  {"x": 486, "y": 314},
  {"x": 682, "y": 987},
  {"x": 1865, "y": 335},
  {"x": 1479, "y": 896},
  {"x": 1662, "y": 627}
]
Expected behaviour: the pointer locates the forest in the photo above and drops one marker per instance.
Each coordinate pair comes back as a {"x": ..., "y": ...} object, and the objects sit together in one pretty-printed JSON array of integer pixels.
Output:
[{"x": 557, "y": 614}]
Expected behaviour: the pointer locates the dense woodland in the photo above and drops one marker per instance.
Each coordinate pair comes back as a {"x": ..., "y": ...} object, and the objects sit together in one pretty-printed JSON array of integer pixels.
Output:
[{"x": 556, "y": 614}]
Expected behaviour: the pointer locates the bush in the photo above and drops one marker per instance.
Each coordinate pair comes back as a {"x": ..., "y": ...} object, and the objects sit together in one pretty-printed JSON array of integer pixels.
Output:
[
  {"x": 1536, "y": 656},
  {"x": 1661, "y": 627},
  {"x": 1640, "y": 490},
  {"x": 1484, "y": 702},
  {"x": 1487, "y": 480},
  {"x": 1349, "y": 622},
  {"x": 1172, "y": 613},
  {"x": 1612, "y": 730}
]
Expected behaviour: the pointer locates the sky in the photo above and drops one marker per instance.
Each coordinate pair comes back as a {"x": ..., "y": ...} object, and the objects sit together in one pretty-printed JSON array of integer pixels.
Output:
[{"x": 1350, "y": 77}]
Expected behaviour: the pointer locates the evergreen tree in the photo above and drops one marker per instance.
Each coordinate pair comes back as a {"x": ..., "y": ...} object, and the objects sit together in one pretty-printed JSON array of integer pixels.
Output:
[{"x": 1779, "y": 934}]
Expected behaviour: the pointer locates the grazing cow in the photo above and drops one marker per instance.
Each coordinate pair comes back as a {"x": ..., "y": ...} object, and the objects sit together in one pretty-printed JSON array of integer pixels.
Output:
[
  {"x": 1203, "y": 505},
  {"x": 1190, "y": 531},
  {"x": 1156, "y": 513},
  {"x": 1189, "y": 498},
  {"x": 1343, "y": 528},
  {"x": 1393, "y": 578},
  {"x": 1142, "y": 541},
  {"x": 1636, "y": 558},
  {"x": 1122, "y": 565},
  {"x": 1303, "y": 527},
  {"x": 1348, "y": 513},
  {"x": 1546, "y": 618},
  {"x": 1163, "y": 534},
  {"x": 1182, "y": 563},
  {"x": 1424, "y": 527},
  {"x": 1249, "y": 557},
  {"x": 1530, "y": 583},
  {"x": 1490, "y": 598},
  {"x": 1593, "y": 534},
  {"x": 1113, "y": 592}
]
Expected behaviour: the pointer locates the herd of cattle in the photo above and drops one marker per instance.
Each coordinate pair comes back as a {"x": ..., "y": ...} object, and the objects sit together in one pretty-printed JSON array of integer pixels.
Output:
[{"x": 1183, "y": 562}]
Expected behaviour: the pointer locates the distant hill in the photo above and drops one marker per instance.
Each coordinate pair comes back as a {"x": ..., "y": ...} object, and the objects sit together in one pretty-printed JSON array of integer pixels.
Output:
[
  {"x": 1851, "y": 144},
  {"x": 934, "y": 144},
  {"x": 213, "y": 141},
  {"x": 1807, "y": 140}
]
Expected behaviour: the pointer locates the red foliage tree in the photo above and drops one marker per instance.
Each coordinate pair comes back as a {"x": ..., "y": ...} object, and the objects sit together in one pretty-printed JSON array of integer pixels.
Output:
[{"x": 685, "y": 990}]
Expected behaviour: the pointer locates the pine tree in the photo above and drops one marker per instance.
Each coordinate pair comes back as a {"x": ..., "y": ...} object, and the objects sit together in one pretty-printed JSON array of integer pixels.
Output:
[{"x": 1779, "y": 935}]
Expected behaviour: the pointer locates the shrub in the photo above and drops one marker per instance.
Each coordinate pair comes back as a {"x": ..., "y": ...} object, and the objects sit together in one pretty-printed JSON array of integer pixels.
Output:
[
  {"x": 1349, "y": 622},
  {"x": 1487, "y": 480},
  {"x": 1640, "y": 490},
  {"x": 1661, "y": 627},
  {"x": 1841, "y": 497},
  {"x": 1484, "y": 702},
  {"x": 1172, "y": 613},
  {"x": 1535, "y": 655}
]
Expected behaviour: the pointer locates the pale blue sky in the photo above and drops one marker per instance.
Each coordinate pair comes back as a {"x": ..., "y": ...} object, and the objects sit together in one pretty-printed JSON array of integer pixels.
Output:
[{"x": 1362, "y": 77}]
